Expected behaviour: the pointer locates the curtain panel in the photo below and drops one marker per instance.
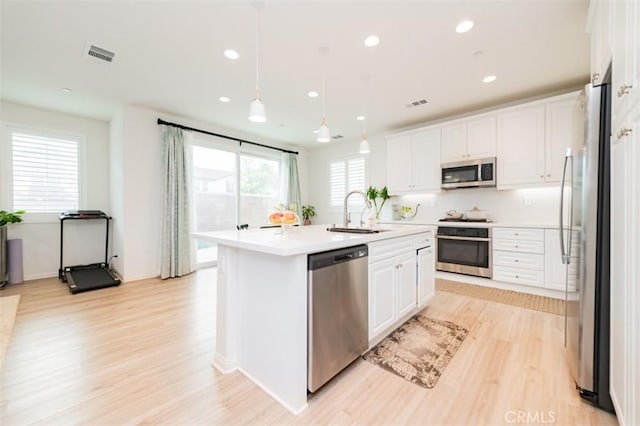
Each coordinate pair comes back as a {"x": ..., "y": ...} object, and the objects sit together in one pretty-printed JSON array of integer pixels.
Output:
[
  {"x": 176, "y": 251},
  {"x": 290, "y": 184}
]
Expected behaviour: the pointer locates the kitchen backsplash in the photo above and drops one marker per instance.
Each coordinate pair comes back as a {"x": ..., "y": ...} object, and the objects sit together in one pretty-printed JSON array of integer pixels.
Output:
[{"x": 532, "y": 205}]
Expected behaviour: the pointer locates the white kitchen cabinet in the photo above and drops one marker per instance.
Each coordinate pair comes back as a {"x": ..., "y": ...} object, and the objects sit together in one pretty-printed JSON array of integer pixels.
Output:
[
  {"x": 392, "y": 283},
  {"x": 625, "y": 20},
  {"x": 518, "y": 256},
  {"x": 555, "y": 270},
  {"x": 381, "y": 296},
  {"x": 563, "y": 127},
  {"x": 406, "y": 269},
  {"x": 520, "y": 143},
  {"x": 625, "y": 268},
  {"x": 469, "y": 140},
  {"x": 413, "y": 162},
  {"x": 533, "y": 140},
  {"x": 426, "y": 275},
  {"x": 600, "y": 29}
]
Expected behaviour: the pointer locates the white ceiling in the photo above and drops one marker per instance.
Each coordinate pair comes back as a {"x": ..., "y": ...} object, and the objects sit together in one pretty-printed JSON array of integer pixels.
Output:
[{"x": 169, "y": 57}]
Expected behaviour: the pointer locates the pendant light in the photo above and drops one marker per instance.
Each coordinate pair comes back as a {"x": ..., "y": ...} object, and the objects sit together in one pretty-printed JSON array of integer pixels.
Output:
[
  {"x": 324, "y": 135},
  {"x": 364, "y": 143},
  {"x": 257, "y": 112}
]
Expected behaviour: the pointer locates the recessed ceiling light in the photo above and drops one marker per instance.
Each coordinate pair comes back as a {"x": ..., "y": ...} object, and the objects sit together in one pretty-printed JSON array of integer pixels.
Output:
[
  {"x": 224, "y": 99},
  {"x": 360, "y": 117},
  {"x": 231, "y": 54},
  {"x": 489, "y": 79},
  {"x": 66, "y": 90},
  {"x": 372, "y": 40},
  {"x": 312, "y": 94},
  {"x": 464, "y": 26}
]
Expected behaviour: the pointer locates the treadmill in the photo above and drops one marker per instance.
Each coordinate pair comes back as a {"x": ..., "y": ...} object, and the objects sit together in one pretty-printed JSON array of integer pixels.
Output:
[{"x": 92, "y": 276}]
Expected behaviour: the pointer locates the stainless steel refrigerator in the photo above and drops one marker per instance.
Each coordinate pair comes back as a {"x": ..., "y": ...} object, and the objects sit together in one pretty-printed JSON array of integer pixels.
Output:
[{"x": 584, "y": 208}]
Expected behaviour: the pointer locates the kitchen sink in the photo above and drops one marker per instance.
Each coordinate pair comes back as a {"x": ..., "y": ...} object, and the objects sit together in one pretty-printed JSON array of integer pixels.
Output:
[{"x": 357, "y": 230}]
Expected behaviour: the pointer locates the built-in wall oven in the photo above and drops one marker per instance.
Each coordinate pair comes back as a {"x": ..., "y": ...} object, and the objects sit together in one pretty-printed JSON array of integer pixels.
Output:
[{"x": 464, "y": 250}]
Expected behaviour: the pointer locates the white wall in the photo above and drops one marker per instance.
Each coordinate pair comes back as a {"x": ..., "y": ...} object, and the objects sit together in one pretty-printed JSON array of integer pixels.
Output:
[
  {"x": 534, "y": 205},
  {"x": 136, "y": 185},
  {"x": 84, "y": 242}
]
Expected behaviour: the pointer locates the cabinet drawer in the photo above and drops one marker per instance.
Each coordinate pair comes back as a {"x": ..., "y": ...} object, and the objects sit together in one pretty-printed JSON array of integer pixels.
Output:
[
  {"x": 424, "y": 240},
  {"x": 523, "y": 246},
  {"x": 380, "y": 250},
  {"x": 518, "y": 276},
  {"x": 518, "y": 260},
  {"x": 518, "y": 234}
]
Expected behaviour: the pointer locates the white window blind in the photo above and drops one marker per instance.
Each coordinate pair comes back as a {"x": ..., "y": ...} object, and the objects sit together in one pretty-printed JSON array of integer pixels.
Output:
[
  {"x": 46, "y": 173},
  {"x": 344, "y": 176}
]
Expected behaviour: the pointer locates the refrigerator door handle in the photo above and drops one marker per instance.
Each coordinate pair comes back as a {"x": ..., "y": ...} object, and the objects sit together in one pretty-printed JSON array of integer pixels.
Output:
[{"x": 565, "y": 254}]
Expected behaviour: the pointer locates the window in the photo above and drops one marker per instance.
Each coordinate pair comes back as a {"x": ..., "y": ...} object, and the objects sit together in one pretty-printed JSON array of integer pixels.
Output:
[
  {"x": 45, "y": 172},
  {"x": 345, "y": 176}
]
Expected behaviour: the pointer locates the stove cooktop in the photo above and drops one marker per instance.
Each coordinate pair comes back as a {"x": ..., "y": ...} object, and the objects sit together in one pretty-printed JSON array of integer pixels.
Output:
[{"x": 447, "y": 219}]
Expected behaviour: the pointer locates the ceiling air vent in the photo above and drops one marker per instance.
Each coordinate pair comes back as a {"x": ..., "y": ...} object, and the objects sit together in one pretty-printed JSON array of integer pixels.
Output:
[
  {"x": 100, "y": 53},
  {"x": 417, "y": 103},
  {"x": 337, "y": 137}
]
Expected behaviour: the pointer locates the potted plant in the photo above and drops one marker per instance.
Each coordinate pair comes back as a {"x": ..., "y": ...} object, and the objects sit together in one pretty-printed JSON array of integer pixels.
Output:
[
  {"x": 374, "y": 194},
  {"x": 6, "y": 218},
  {"x": 308, "y": 212}
]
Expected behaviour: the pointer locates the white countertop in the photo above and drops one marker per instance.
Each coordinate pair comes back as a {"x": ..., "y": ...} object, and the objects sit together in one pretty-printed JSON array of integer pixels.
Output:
[
  {"x": 305, "y": 239},
  {"x": 478, "y": 224}
]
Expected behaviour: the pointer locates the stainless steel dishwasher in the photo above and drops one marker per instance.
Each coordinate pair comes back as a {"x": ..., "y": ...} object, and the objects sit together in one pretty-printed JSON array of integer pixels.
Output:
[{"x": 338, "y": 314}]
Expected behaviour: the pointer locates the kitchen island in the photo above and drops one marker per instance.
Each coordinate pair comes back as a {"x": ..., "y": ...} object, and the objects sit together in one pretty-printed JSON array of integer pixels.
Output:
[{"x": 261, "y": 323}]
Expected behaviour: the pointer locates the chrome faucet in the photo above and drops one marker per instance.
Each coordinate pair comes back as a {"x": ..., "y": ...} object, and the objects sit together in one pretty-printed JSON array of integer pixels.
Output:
[{"x": 346, "y": 199}]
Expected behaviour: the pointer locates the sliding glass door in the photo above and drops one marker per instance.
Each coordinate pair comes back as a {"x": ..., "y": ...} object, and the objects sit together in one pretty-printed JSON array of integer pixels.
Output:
[
  {"x": 259, "y": 188},
  {"x": 231, "y": 188},
  {"x": 214, "y": 195}
]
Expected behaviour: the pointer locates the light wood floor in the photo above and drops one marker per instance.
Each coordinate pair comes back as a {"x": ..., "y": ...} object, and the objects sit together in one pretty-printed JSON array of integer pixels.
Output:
[{"x": 140, "y": 354}]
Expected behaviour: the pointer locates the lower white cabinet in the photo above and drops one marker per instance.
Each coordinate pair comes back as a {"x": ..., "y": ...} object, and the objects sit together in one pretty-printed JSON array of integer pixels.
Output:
[
  {"x": 518, "y": 256},
  {"x": 382, "y": 295},
  {"x": 555, "y": 270},
  {"x": 393, "y": 294},
  {"x": 392, "y": 291},
  {"x": 426, "y": 275}
]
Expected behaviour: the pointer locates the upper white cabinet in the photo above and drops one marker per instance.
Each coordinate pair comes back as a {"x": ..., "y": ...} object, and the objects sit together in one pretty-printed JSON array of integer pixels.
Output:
[
  {"x": 625, "y": 20},
  {"x": 469, "y": 140},
  {"x": 563, "y": 127},
  {"x": 521, "y": 146},
  {"x": 413, "y": 162},
  {"x": 533, "y": 140},
  {"x": 599, "y": 26}
]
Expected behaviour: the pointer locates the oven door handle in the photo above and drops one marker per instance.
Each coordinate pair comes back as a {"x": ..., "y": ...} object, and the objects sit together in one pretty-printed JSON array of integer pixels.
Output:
[{"x": 449, "y": 237}]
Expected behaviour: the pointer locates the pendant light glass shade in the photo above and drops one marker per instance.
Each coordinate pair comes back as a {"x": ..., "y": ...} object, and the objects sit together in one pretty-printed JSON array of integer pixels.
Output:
[
  {"x": 323, "y": 132},
  {"x": 364, "y": 145},
  {"x": 257, "y": 112}
]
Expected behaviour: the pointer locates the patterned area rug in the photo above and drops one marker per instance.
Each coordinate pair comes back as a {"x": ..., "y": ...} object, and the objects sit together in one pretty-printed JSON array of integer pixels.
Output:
[{"x": 419, "y": 350}]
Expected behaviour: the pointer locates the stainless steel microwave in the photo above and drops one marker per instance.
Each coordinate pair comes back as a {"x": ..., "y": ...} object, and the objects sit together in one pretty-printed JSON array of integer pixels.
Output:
[{"x": 469, "y": 174}]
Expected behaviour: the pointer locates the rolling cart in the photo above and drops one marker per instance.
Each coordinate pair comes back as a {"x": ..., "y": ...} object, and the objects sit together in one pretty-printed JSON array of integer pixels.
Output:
[{"x": 86, "y": 277}]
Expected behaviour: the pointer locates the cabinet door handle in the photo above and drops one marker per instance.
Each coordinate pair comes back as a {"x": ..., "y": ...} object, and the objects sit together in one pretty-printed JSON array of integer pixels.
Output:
[
  {"x": 624, "y": 89},
  {"x": 549, "y": 175},
  {"x": 623, "y": 132},
  {"x": 516, "y": 260},
  {"x": 516, "y": 246},
  {"x": 517, "y": 276}
]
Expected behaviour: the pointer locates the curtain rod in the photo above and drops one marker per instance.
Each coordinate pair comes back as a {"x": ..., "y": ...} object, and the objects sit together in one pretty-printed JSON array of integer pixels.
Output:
[{"x": 241, "y": 141}]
